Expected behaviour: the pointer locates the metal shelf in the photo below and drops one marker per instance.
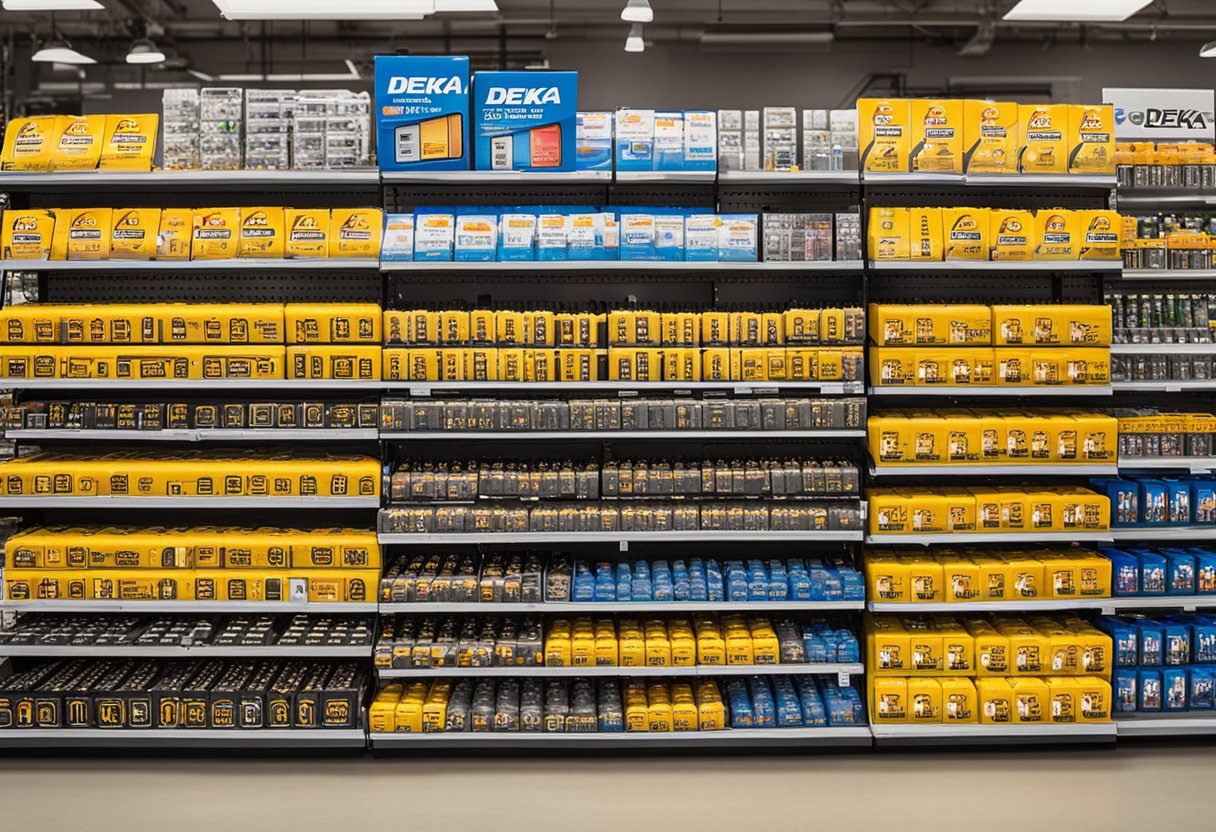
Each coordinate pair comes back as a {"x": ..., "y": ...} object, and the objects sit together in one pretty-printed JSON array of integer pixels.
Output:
[
  {"x": 493, "y": 177},
  {"x": 907, "y": 178},
  {"x": 981, "y": 470},
  {"x": 1163, "y": 386},
  {"x": 1086, "y": 266},
  {"x": 186, "y": 384},
  {"x": 1050, "y": 605},
  {"x": 269, "y": 264},
  {"x": 995, "y": 537},
  {"x": 574, "y": 607},
  {"x": 1166, "y": 725},
  {"x": 1162, "y": 349},
  {"x": 203, "y": 651},
  {"x": 358, "y": 178},
  {"x": 189, "y": 502},
  {"x": 208, "y": 435},
  {"x": 792, "y": 177},
  {"x": 159, "y": 607},
  {"x": 1019, "y": 390},
  {"x": 687, "y": 177},
  {"x": 825, "y": 737},
  {"x": 1193, "y": 464},
  {"x": 1163, "y": 197},
  {"x": 1161, "y": 533},
  {"x": 701, "y": 671},
  {"x": 1078, "y": 732},
  {"x": 624, "y": 388},
  {"x": 181, "y": 738},
  {"x": 609, "y": 435},
  {"x": 1063, "y": 181},
  {"x": 624, "y": 538},
  {"x": 1169, "y": 274},
  {"x": 832, "y": 266}
]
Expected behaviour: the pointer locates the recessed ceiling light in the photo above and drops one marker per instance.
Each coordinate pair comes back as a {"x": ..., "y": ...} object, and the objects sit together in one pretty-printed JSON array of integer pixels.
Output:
[
  {"x": 325, "y": 10},
  {"x": 51, "y": 5},
  {"x": 60, "y": 52},
  {"x": 1075, "y": 11},
  {"x": 637, "y": 11},
  {"x": 635, "y": 42}
]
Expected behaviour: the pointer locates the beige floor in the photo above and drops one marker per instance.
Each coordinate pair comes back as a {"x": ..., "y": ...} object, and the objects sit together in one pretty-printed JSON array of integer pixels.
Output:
[{"x": 1147, "y": 789}]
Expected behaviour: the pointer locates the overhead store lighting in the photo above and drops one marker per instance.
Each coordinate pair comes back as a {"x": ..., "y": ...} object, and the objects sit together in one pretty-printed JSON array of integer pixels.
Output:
[
  {"x": 1075, "y": 11},
  {"x": 637, "y": 11},
  {"x": 51, "y": 5},
  {"x": 60, "y": 52},
  {"x": 466, "y": 6},
  {"x": 144, "y": 51},
  {"x": 635, "y": 43},
  {"x": 325, "y": 9},
  {"x": 980, "y": 43},
  {"x": 1208, "y": 50}
]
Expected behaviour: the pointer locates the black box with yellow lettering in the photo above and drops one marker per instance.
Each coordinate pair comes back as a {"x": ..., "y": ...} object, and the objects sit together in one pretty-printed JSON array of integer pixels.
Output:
[{"x": 225, "y": 703}]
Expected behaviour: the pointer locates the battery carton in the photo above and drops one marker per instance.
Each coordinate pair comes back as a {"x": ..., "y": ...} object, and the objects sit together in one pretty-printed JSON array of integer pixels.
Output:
[
  {"x": 307, "y": 232},
  {"x": 635, "y": 140},
  {"x": 1099, "y": 232},
  {"x": 525, "y": 120},
  {"x": 82, "y": 234},
  {"x": 884, "y": 134},
  {"x": 30, "y": 142},
  {"x": 593, "y": 141},
  {"x": 175, "y": 233},
  {"x": 355, "y": 232},
  {"x": 215, "y": 233},
  {"x": 991, "y": 136},
  {"x": 1011, "y": 234},
  {"x": 937, "y": 136},
  {"x": 27, "y": 235},
  {"x": 261, "y": 233},
  {"x": 1091, "y": 138},
  {"x": 1044, "y": 138},
  {"x": 965, "y": 232},
  {"x": 129, "y": 142},
  {"x": 133, "y": 233},
  {"x": 78, "y": 146},
  {"x": 422, "y": 112}
]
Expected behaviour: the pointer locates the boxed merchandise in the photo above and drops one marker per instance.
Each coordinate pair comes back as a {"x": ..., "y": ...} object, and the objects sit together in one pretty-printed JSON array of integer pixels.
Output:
[
  {"x": 991, "y": 136},
  {"x": 1091, "y": 138},
  {"x": 130, "y": 142},
  {"x": 593, "y": 141},
  {"x": 884, "y": 134},
  {"x": 360, "y": 363},
  {"x": 1059, "y": 237},
  {"x": 173, "y": 239},
  {"x": 134, "y": 233},
  {"x": 965, "y": 233},
  {"x": 435, "y": 235},
  {"x": 635, "y": 140},
  {"x": 78, "y": 146},
  {"x": 308, "y": 232},
  {"x": 525, "y": 120},
  {"x": 262, "y": 233},
  {"x": 27, "y": 235},
  {"x": 1045, "y": 143},
  {"x": 397, "y": 243},
  {"x": 29, "y": 143},
  {"x": 1011, "y": 235},
  {"x": 475, "y": 238},
  {"x": 82, "y": 234},
  {"x": 422, "y": 111},
  {"x": 355, "y": 232},
  {"x": 332, "y": 323},
  {"x": 215, "y": 233},
  {"x": 936, "y": 139},
  {"x": 1099, "y": 235}
]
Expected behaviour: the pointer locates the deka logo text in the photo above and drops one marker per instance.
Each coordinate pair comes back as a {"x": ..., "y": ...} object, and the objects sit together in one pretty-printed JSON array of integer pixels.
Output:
[
  {"x": 523, "y": 95},
  {"x": 398, "y": 85}
]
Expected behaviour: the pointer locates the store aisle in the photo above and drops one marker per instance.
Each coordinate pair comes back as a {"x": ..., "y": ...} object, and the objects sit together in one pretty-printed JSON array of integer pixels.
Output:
[{"x": 1133, "y": 789}]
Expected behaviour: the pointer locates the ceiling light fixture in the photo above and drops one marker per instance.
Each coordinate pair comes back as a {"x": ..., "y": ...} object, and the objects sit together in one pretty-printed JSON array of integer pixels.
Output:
[
  {"x": 325, "y": 10},
  {"x": 1075, "y": 11},
  {"x": 58, "y": 51},
  {"x": 637, "y": 11},
  {"x": 466, "y": 6},
  {"x": 144, "y": 51},
  {"x": 635, "y": 43},
  {"x": 1208, "y": 50},
  {"x": 51, "y": 5}
]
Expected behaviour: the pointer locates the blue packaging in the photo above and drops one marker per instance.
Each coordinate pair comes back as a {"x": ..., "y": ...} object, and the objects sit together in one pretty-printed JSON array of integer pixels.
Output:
[
  {"x": 1203, "y": 640},
  {"x": 605, "y": 585},
  {"x": 582, "y": 586},
  {"x": 1176, "y": 643},
  {"x": 1126, "y": 688},
  {"x": 525, "y": 120},
  {"x": 669, "y": 140},
  {"x": 669, "y": 236},
  {"x": 1148, "y": 690},
  {"x": 585, "y": 236},
  {"x": 1203, "y": 501},
  {"x": 517, "y": 235},
  {"x": 637, "y": 235},
  {"x": 1202, "y": 692},
  {"x": 422, "y": 112},
  {"x": 742, "y": 714},
  {"x": 1154, "y": 500},
  {"x": 700, "y": 140},
  {"x": 634, "y": 140},
  {"x": 1174, "y": 686},
  {"x": 701, "y": 238},
  {"x": 593, "y": 140},
  {"x": 1124, "y": 498},
  {"x": 1125, "y": 571},
  {"x": 737, "y": 238},
  {"x": 624, "y": 581},
  {"x": 1205, "y": 571},
  {"x": 1152, "y": 636},
  {"x": 552, "y": 235},
  {"x": 1178, "y": 501},
  {"x": 1179, "y": 572},
  {"x": 1125, "y": 638},
  {"x": 1153, "y": 572},
  {"x": 813, "y": 712},
  {"x": 715, "y": 588},
  {"x": 764, "y": 708},
  {"x": 476, "y": 238}
]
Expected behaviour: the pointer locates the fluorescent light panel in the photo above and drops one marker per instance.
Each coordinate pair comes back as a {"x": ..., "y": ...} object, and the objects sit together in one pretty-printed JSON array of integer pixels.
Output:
[
  {"x": 637, "y": 11},
  {"x": 466, "y": 6},
  {"x": 59, "y": 53},
  {"x": 51, "y": 5},
  {"x": 325, "y": 9},
  {"x": 1075, "y": 11}
]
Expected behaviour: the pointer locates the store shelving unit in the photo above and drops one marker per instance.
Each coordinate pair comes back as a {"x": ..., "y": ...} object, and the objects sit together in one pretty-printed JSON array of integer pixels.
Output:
[
  {"x": 1047, "y": 469},
  {"x": 1108, "y": 606},
  {"x": 173, "y": 739},
  {"x": 1014, "y": 734},
  {"x": 1169, "y": 274},
  {"x": 699, "y": 671},
  {"x": 65, "y": 605},
  {"x": 1163, "y": 349},
  {"x": 633, "y": 266},
  {"x": 623, "y": 538},
  {"x": 577, "y": 607},
  {"x": 361, "y": 179},
  {"x": 731, "y": 738},
  {"x": 1163, "y": 533},
  {"x": 198, "y": 651},
  {"x": 1191, "y": 724},
  {"x": 196, "y": 386},
  {"x": 625, "y": 388},
  {"x": 614, "y": 435},
  {"x": 311, "y": 503},
  {"x": 1012, "y": 390},
  {"x": 1018, "y": 266},
  {"x": 269, "y": 436},
  {"x": 1056, "y": 538},
  {"x": 172, "y": 266},
  {"x": 1194, "y": 464}
]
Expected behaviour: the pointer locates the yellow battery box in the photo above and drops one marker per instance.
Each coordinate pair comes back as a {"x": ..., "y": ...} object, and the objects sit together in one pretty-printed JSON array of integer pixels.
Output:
[
  {"x": 884, "y": 134},
  {"x": 1011, "y": 234},
  {"x": 937, "y": 135},
  {"x": 925, "y": 700},
  {"x": 133, "y": 233},
  {"x": 996, "y": 703},
  {"x": 82, "y": 234},
  {"x": 129, "y": 142},
  {"x": 887, "y": 578},
  {"x": 30, "y": 142},
  {"x": 992, "y": 652},
  {"x": 219, "y": 323},
  {"x": 888, "y": 234},
  {"x": 893, "y": 366},
  {"x": 355, "y": 362},
  {"x": 1044, "y": 138},
  {"x": 924, "y": 578},
  {"x": 1099, "y": 235},
  {"x": 958, "y": 700},
  {"x": 965, "y": 233},
  {"x": 962, "y": 580},
  {"x": 307, "y": 232},
  {"x": 27, "y": 234},
  {"x": 262, "y": 233},
  {"x": 1031, "y": 700},
  {"x": 355, "y": 232},
  {"x": 339, "y": 323},
  {"x": 175, "y": 234},
  {"x": 889, "y": 700},
  {"x": 927, "y": 237},
  {"x": 215, "y": 233},
  {"x": 1094, "y": 695},
  {"x": 890, "y": 439},
  {"x": 1058, "y": 233},
  {"x": 889, "y": 511},
  {"x": 1091, "y": 138},
  {"x": 681, "y": 364},
  {"x": 78, "y": 146},
  {"x": 991, "y": 136}
]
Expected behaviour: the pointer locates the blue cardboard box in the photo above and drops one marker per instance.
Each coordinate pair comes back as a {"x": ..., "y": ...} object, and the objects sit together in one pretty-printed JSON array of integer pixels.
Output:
[
  {"x": 525, "y": 121},
  {"x": 422, "y": 112}
]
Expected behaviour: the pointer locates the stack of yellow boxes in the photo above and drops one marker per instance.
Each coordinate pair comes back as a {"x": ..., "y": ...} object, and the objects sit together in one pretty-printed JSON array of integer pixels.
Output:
[
  {"x": 914, "y": 576},
  {"x": 333, "y": 341},
  {"x": 900, "y": 135},
  {"x": 624, "y": 345},
  {"x": 677, "y": 642},
  {"x": 992, "y": 671},
  {"x": 265, "y": 232},
  {"x": 958, "y": 345},
  {"x": 996, "y": 510},
  {"x": 659, "y": 706},
  {"x": 191, "y": 564},
  {"x": 994, "y": 437},
  {"x": 121, "y": 142}
]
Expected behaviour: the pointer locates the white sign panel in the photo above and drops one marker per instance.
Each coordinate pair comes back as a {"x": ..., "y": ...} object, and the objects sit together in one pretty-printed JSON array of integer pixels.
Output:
[{"x": 1163, "y": 115}]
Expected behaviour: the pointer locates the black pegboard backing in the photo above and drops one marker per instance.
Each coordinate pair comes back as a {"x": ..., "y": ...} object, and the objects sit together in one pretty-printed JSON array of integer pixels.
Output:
[
  {"x": 237, "y": 286},
  {"x": 807, "y": 289},
  {"x": 777, "y": 197},
  {"x": 663, "y": 194},
  {"x": 198, "y": 197},
  {"x": 1156, "y": 285},
  {"x": 409, "y": 197},
  {"x": 893, "y": 287},
  {"x": 976, "y": 197},
  {"x": 1085, "y": 288}
]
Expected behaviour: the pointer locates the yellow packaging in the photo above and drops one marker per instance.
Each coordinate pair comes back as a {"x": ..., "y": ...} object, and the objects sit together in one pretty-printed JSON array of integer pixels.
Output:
[
  {"x": 966, "y": 233},
  {"x": 926, "y": 231},
  {"x": 659, "y": 716},
  {"x": 213, "y": 323},
  {"x": 78, "y": 145},
  {"x": 1091, "y": 138},
  {"x": 1031, "y": 700},
  {"x": 996, "y": 702},
  {"x": 333, "y": 323},
  {"x": 133, "y": 233},
  {"x": 927, "y": 434},
  {"x": 890, "y": 439},
  {"x": 82, "y": 234},
  {"x": 538, "y": 328},
  {"x": 889, "y": 700},
  {"x": 130, "y": 142},
  {"x": 937, "y": 136},
  {"x": 1014, "y": 367},
  {"x": 21, "y": 585},
  {"x": 889, "y": 512},
  {"x": 1087, "y": 366},
  {"x": 964, "y": 438},
  {"x": 887, "y": 578},
  {"x": 1045, "y": 145},
  {"x": 925, "y": 700},
  {"x": 933, "y": 367},
  {"x": 711, "y": 714},
  {"x": 992, "y": 653},
  {"x": 1058, "y": 234},
  {"x": 262, "y": 233},
  {"x": 175, "y": 234},
  {"x": 1099, "y": 235},
  {"x": 962, "y": 579},
  {"x": 27, "y": 234},
  {"x": 1094, "y": 697},
  {"x": 139, "y": 585},
  {"x": 930, "y": 324},
  {"x": 883, "y": 134},
  {"x": 681, "y": 364},
  {"x": 888, "y": 235},
  {"x": 711, "y": 648},
  {"x": 355, "y": 232},
  {"x": 635, "y": 364},
  {"x": 893, "y": 366},
  {"x": 308, "y": 232},
  {"x": 30, "y": 142},
  {"x": 1024, "y": 577},
  {"x": 991, "y": 136},
  {"x": 1011, "y": 234},
  {"x": 359, "y": 363},
  {"x": 380, "y": 715},
  {"x": 1094, "y": 576},
  {"x": 924, "y": 579},
  {"x": 215, "y": 233},
  {"x": 684, "y": 715},
  {"x": 958, "y": 700}
]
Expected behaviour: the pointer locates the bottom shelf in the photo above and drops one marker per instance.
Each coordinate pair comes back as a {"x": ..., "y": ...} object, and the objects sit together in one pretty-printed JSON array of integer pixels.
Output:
[
  {"x": 1085, "y": 732},
  {"x": 1166, "y": 725},
  {"x": 856, "y": 736},
  {"x": 186, "y": 738}
]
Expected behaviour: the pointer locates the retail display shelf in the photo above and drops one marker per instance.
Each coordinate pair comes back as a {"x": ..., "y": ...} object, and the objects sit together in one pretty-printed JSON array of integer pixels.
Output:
[
  {"x": 1194, "y": 464},
  {"x": 1162, "y": 533},
  {"x": 1164, "y": 386},
  {"x": 624, "y": 538},
  {"x": 356, "y": 178},
  {"x": 1064, "y": 182},
  {"x": 494, "y": 177},
  {"x": 189, "y": 502},
  {"x": 188, "y": 384},
  {"x": 623, "y": 388},
  {"x": 703, "y": 671},
  {"x": 1086, "y": 266},
  {"x": 204, "y": 607},
  {"x": 574, "y": 607},
  {"x": 1166, "y": 725},
  {"x": 1056, "y": 538},
  {"x": 825, "y": 737},
  {"x": 1079, "y": 732},
  {"x": 1163, "y": 349},
  {"x": 183, "y": 738},
  {"x": 200, "y": 651},
  {"x": 1106, "y": 605},
  {"x": 1046, "y": 469},
  {"x": 1023, "y": 391},
  {"x": 1169, "y": 274},
  {"x": 791, "y": 177},
  {"x": 672, "y": 177},
  {"x": 621, "y": 266},
  {"x": 232, "y": 264},
  {"x": 609, "y": 435},
  {"x": 1163, "y": 198},
  {"x": 269, "y": 435}
]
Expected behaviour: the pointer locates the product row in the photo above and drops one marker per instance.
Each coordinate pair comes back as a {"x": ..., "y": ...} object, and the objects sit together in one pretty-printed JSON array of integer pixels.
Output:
[
  {"x": 1134, "y": 367},
  {"x": 87, "y": 631},
  {"x": 297, "y": 586},
  {"x": 977, "y": 325},
  {"x": 1173, "y": 641},
  {"x": 1148, "y": 433},
  {"x": 537, "y": 577},
  {"x": 143, "y": 693},
  {"x": 1185, "y": 165},
  {"x": 190, "y": 233},
  {"x": 642, "y": 516},
  {"x": 1177, "y": 251},
  {"x": 982, "y": 234},
  {"x": 189, "y": 474},
  {"x": 990, "y": 366},
  {"x": 995, "y": 700},
  {"x": 1155, "y": 572},
  {"x": 1162, "y": 317},
  {"x": 829, "y": 139},
  {"x": 157, "y": 416},
  {"x": 1167, "y": 501},
  {"x": 119, "y": 142},
  {"x": 997, "y": 510},
  {"x": 608, "y": 415},
  {"x": 957, "y": 575},
  {"x": 701, "y": 641},
  {"x": 610, "y": 706},
  {"x": 418, "y": 480},
  {"x": 1168, "y": 689}
]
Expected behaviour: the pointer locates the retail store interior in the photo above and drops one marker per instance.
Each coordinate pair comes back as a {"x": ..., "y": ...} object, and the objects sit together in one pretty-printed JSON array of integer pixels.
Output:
[{"x": 701, "y": 413}]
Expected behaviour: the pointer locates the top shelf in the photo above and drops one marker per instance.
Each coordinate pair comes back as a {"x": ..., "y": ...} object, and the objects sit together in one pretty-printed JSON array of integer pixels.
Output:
[
  {"x": 360, "y": 179},
  {"x": 473, "y": 177},
  {"x": 1070, "y": 181}
]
